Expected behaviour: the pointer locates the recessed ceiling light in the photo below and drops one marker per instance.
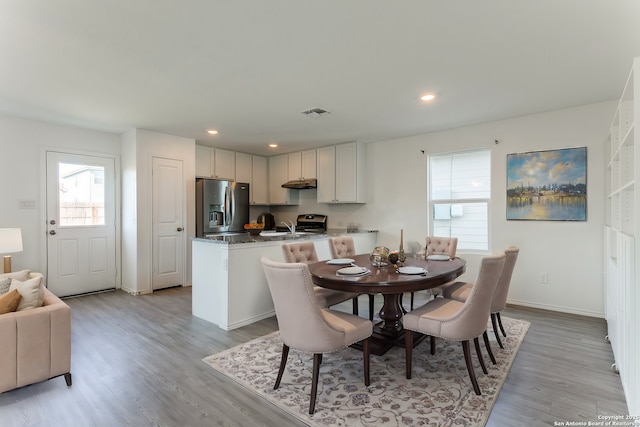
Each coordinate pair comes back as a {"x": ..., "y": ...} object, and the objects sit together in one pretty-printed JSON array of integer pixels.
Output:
[
  {"x": 273, "y": 145},
  {"x": 428, "y": 97},
  {"x": 212, "y": 132}
]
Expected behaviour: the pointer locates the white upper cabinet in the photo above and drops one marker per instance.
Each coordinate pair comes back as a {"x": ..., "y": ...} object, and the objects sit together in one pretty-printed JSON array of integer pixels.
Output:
[
  {"x": 341, "y": 173},
  {"x": 244, "y": 168},
  {"x": 259, "y": 190},
  {"x": 278, "y": 175},
  {"x": 302, "y": 165},
  {"x": 215, "y": 163}
]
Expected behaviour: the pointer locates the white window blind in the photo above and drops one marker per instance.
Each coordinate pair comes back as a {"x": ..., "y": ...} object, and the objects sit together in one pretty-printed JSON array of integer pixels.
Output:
[{"x": 459, "y": 195}]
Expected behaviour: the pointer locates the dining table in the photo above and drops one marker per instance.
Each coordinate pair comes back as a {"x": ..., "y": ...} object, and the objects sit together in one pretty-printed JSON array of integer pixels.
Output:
[{"x": 390, "y": 280}]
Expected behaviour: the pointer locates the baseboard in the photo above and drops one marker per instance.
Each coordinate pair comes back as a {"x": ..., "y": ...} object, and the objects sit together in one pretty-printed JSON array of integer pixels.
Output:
[
  {"x": 245, "y": 322},
  {"x": 558, "y": 308}
]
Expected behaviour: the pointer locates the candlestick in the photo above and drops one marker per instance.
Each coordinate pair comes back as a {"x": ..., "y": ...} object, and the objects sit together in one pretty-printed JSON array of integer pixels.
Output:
[{"x": 401, "y": 256}]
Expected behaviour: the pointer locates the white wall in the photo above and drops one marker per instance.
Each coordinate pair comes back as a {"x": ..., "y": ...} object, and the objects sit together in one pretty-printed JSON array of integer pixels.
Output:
[
  {"x": 22, "y": 167},
  {"x": 569, "y": 252},
  {"x": 138, "y": 149}
]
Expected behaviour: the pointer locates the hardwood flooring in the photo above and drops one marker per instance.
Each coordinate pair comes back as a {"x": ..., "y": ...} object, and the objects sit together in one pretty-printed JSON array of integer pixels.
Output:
[{"x": 137, "y": 362}]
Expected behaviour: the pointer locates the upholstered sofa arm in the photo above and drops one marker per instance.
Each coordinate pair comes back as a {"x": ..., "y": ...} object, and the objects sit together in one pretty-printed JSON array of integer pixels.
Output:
[{"x": 35, "y": 344}]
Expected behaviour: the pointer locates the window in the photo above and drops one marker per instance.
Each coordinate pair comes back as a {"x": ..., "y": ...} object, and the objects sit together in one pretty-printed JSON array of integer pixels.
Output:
[
  {"x": 459, "y": 194},
  {"x": 80, "y": 195}
]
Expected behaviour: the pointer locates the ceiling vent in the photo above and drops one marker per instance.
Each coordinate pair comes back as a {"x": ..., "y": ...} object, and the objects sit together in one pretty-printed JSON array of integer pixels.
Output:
[{"x": 315, "y": 112}]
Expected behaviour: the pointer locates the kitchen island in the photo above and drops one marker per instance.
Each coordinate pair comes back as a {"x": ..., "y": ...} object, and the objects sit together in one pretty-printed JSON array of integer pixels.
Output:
[{"x": 230, "y": 289}]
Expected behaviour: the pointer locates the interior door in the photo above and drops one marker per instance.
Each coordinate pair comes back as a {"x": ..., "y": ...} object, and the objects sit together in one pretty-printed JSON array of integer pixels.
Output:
[
  {"x": 81, "y": 223},
  {"x": 168, "y": 223}
]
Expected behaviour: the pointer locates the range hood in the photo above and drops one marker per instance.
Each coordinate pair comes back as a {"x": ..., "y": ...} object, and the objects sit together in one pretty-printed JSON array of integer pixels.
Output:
[{"x": 301, "y": 184}]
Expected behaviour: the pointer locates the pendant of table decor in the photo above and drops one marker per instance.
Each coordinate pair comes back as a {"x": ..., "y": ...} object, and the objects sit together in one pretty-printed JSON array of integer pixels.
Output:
[{"x": 393, "y": 258}]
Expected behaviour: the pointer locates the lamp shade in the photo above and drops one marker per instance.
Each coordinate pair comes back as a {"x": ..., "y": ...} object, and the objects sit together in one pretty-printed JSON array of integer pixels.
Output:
[{"x": 10, "y": 240}]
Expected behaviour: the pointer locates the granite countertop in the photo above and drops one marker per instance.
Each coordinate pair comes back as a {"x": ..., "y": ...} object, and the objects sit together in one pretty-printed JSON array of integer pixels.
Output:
[{"x": 245, "y": 237}]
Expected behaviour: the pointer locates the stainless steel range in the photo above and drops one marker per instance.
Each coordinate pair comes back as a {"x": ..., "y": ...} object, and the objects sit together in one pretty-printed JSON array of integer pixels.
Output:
[{"x": 310, "y": 223}]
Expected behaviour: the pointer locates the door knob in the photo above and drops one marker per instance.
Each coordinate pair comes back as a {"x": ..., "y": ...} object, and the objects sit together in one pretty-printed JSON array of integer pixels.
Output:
[
  {"x": 52, "y": 232},
  {"x": 179, "y": 229},
  {"x": 52, "y": 222}
]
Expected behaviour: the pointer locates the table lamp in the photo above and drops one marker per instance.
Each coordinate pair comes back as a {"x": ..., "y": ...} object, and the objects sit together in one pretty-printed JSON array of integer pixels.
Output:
[{"x": 10, "y": 242}]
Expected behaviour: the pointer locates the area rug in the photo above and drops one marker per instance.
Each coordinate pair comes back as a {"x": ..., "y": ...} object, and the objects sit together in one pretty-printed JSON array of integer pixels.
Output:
[{"x": 439, "y": 393}]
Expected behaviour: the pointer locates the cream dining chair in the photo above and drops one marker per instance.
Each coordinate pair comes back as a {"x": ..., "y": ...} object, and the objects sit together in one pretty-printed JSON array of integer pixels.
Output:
[
  {"x": 438, "y": 246},
  {"x": 344, "y": 247},
  {"x": 306, "y": 326},
  {"x": 305, "y": 252},
  {"x": 455, "y": 320},
  {"x": 461, "y": 290}
]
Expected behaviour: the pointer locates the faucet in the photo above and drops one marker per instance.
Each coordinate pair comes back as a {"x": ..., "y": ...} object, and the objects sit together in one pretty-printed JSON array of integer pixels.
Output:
[{"x": 292, "y": 227}]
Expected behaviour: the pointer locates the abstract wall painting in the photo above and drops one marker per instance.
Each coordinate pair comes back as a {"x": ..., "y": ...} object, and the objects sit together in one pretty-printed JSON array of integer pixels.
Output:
[{"x": 547, "y": 185}]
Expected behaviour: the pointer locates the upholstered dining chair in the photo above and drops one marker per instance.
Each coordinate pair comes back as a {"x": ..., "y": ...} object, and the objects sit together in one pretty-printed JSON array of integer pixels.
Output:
[
  {"x": 438, "y": 246},
  {"x": 455, "y": 320},
  {"x": 344, "y": 247},
  {"x": 460, "y": 291},
  {"x": 306, "y": 326},
  {"x": 305, "y": 252}
]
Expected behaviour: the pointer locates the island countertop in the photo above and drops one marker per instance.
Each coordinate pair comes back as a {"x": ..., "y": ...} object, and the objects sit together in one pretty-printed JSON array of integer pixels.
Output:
[{"x": 245, "y": 237}]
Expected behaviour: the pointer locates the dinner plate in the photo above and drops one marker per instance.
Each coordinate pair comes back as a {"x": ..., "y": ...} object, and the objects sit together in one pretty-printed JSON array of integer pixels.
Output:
[
  {"x": 411, "y": 270},
  {"x": 438, "y": 257},
  {"x": 340, "y": 261},
  {"x": 352, "y": 271}
]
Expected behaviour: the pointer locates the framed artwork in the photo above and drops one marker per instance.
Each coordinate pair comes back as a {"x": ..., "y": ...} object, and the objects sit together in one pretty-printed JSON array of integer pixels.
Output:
[{"x": 547, "y": 185}]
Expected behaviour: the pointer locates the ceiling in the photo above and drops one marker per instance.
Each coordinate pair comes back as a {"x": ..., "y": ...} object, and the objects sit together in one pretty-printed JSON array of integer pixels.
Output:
[{"x": 249, "y": 68}]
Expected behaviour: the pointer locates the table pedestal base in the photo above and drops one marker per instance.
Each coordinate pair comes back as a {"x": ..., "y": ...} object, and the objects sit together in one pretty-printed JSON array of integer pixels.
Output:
[{"x": 381, "y": 341}]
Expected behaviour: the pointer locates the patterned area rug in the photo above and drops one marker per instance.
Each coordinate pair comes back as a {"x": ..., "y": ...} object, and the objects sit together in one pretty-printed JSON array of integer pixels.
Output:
[{"x": 439, "y": 393}]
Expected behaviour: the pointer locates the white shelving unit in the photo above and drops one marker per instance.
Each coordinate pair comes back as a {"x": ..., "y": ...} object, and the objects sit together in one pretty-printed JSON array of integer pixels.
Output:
[{"x": 622, "y": 286}]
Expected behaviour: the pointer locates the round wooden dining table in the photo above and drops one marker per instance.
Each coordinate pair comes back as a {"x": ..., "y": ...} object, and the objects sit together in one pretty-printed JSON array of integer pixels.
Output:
[{"x": 391, "y": 284}]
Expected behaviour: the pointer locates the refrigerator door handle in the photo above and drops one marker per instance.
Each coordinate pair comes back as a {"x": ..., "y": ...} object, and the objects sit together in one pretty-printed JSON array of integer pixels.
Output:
[{"x": 227, "y": 206}]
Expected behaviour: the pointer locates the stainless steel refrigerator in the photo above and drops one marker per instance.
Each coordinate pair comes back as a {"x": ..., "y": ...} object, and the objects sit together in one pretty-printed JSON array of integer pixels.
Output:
[{"x": 221, "y": 206}]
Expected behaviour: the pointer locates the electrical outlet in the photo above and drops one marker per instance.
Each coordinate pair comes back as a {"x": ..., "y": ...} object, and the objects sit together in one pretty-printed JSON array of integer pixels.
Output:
[{"x": 544, "y": 278}]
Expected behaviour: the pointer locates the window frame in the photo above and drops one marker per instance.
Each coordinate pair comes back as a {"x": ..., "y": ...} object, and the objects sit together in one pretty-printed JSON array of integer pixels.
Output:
[{"x": 431, "y": 202}]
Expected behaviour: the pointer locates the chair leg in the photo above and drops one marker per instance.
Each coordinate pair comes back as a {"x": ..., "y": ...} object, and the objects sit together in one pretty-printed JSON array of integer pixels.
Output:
[
  {"x": 472, "y": 374},
  {"x": 485, "y": 337},
  {"x": 500, "y": 324},
  {"x": 371, "y": 297},
  {"x": 476, "y": 343},
  {"x": 404, "y": 311},
  {"x": 366, "y": 356},
  {"x": 67, "y": 378},
  {"x": 317, "y": 359},
  {"x": 355, "y": 305},
  {"x": 494, "y": 323},
  {"x": 433, "y": 345},
  {"x": 412, "y": 295},
  {"x": 283, "y": 363},
  {"x": 408, "y": 349}
]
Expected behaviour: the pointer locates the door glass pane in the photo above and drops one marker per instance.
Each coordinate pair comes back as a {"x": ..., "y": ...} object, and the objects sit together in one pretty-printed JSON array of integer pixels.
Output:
[{"x": 80, "y": 194}]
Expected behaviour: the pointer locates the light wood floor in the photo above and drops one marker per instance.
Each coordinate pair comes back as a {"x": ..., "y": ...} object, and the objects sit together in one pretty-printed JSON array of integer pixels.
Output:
[{"x": 137, "y": 362}]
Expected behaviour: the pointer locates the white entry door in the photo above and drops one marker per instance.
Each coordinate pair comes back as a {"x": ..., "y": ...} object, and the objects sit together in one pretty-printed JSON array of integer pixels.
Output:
[
  {"x": 81, "y": 223},
  {"x": 168, "y": 223}
]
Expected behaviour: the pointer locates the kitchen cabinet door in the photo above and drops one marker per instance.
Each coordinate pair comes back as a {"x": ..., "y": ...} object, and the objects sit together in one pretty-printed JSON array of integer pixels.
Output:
[
  {"x": 244, "y": 168},
  {"x": 259, "y": 186},
  {"x": 278, "y": 175},
  {"x": 203, "y": 161},
  {"x": 224, "y": 164},
  {"x": 326, "y": 171},
  {"x": 308, "y": 164}
]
